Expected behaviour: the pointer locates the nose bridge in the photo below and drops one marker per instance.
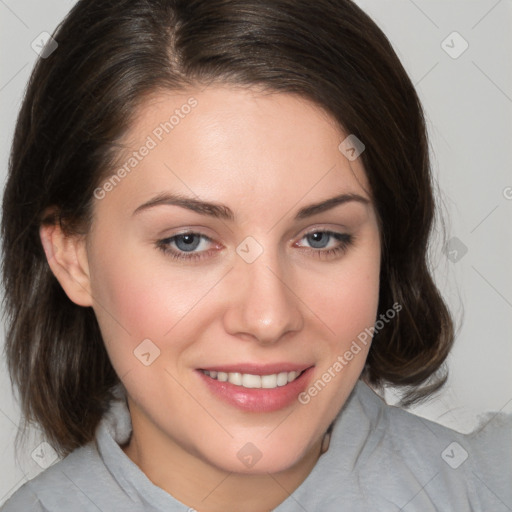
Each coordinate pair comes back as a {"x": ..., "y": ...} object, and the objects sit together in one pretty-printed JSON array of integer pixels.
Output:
[{"x": 263, "y": 304}]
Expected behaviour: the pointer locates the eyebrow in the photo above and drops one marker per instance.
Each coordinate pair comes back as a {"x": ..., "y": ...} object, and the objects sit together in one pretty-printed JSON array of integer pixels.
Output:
[
  {"x": 223, "y": 212},
  {"x": 323, "y": 206}
]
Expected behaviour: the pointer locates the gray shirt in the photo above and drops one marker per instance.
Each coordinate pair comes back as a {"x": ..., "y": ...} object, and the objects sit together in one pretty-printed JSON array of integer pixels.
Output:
[{"x": 381, "y": 458}]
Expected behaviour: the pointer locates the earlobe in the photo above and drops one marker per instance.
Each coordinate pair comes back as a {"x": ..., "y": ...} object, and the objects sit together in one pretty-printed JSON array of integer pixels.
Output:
[{"x": 67, "y": 258}]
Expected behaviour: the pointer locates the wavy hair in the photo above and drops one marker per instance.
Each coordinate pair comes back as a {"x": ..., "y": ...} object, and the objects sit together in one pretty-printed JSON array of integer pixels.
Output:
[{"x": 83, "y": 97}]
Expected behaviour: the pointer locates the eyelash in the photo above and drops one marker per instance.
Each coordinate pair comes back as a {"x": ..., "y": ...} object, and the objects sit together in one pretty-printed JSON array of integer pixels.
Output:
[
  {"x": 345, "y": 240},
  {"x": 164, "y": 246}
]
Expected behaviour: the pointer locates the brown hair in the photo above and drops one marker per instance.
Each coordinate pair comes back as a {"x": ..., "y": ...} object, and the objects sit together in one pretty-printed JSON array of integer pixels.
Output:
[{"x": 82, "y": 98}]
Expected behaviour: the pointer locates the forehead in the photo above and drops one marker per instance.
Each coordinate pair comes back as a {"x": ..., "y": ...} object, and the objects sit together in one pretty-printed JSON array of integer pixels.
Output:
[{"x": 233, "y": 145}]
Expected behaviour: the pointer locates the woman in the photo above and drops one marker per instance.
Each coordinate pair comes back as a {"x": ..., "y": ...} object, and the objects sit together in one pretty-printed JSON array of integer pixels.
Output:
[{"x": 215, "y": 232}]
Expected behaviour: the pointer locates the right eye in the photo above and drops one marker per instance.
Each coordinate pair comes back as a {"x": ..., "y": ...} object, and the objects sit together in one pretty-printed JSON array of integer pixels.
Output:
[{"x": 189, "y": 245}]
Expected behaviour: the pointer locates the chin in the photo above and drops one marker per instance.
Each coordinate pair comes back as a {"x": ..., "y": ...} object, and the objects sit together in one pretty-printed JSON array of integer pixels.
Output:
[{"x": 263, "y": 456}]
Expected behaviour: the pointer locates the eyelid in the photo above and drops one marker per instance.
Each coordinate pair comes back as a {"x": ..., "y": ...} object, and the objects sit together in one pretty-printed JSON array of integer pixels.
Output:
[
  {"x": 185, "y": 230},
  {"x": 328, "y": 231},
  {"x": 323, "y": 228}
]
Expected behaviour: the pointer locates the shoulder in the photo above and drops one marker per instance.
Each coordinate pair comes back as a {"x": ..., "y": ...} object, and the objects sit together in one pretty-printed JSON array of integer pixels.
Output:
[
  {"x": 417, "y": 461},
  {"x": 55, "y": 484},
  {"x": 23, "y": 499},
  {"x": 70, "y": 484},
  {"x": 490, "y": 446},
  {"x": 399, "y": 427},
  {"x": 401, "y": 437}
]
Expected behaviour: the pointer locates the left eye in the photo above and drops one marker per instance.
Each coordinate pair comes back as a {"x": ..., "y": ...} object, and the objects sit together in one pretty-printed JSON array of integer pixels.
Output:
[
  {"x": 318, "y": 240},
  {"x": 186, "y": 243},
  {"x": 326, "y": 239}
]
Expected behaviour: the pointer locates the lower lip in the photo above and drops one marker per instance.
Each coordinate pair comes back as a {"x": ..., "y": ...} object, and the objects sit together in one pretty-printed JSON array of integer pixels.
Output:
[{"x": 258, "y": 399}]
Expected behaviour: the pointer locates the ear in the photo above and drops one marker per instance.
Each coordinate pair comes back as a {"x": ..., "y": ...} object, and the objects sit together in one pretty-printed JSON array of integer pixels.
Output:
[{"x": 67, "y": 257}]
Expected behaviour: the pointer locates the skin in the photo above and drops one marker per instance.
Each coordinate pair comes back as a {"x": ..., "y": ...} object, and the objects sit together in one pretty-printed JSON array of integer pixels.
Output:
[{"x": 265, "y": 156}]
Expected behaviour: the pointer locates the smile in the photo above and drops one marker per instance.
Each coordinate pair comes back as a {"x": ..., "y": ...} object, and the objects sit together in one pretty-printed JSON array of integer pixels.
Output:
[
  {"x": 255, "y": 387},
  {"x": 250, "y": 381}
]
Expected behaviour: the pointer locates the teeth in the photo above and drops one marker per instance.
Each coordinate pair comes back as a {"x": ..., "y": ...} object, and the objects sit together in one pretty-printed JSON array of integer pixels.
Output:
[
  {"x": 251, "y": 381},
  {"x": 235, "y": 378},
  {"x": 282, "y": 379},
  {"x": 269, "y": 381},
  {"x": 247, "y": 380}
]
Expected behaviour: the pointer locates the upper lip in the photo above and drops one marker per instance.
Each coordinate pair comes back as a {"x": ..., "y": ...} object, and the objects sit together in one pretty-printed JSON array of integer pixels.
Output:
[{"x": 258, "y": 369}]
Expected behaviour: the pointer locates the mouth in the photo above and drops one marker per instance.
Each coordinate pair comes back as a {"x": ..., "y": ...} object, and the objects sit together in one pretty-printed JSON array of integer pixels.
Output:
[
  {"x": 254, "y": 388},
  {"x": 251, "y": 381}
]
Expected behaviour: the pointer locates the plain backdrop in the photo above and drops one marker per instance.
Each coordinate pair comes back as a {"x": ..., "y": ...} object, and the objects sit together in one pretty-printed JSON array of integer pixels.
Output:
[{"x": 458, "y": 56}]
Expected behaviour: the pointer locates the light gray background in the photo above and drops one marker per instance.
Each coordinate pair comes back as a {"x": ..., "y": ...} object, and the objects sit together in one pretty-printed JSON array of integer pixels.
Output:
[{"x": 468, "y": 101}]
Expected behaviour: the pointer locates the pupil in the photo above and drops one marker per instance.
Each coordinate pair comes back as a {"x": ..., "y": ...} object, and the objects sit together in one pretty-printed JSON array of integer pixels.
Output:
[
  {"x": 318, "y": 240},
  {"x": 187, "y": 242}
]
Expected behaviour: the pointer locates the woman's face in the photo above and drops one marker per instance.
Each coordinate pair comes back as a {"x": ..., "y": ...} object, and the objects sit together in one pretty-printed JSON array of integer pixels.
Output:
[{"x": 240, "y": 244}]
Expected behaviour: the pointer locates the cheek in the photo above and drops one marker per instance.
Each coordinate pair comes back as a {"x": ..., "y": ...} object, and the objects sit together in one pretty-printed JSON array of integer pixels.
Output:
[
  {"x": 356, "y": 301},
  {"x": 346, "y": 299},
  {"x": 130, "y": 302},
  {"x": 137, "y": 297}
]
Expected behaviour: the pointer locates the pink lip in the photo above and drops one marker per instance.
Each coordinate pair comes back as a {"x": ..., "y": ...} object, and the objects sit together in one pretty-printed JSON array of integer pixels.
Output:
[{"x": 259, "y": 399}]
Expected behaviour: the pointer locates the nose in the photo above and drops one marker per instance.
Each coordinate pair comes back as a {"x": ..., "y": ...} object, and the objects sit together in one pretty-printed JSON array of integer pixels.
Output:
[{"x": 263, "y": 305}]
